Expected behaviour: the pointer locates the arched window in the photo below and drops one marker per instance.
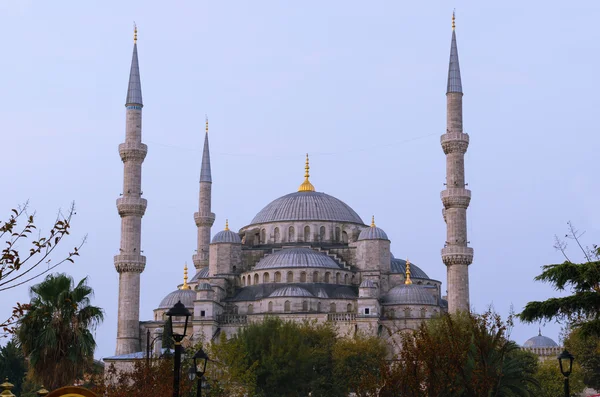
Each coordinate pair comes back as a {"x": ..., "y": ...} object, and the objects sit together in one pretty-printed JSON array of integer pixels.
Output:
[
  {"x": 337, "y": 234},
  {"x": 266, "y": 278},
  {"x": 270, "y": 307},
  {"x": 344, "y": 237},
  {"x": 263, "y": 236},
  {"x": 307, "y": 233},
  {"x": 277, "y": 277},
  {"x": 255, "y": 279},
  {"x": 322, "y": 233},
  {"x": 250, "y": 309},
  {"x": 346, "y": 278},
  {"x": 327, "y": 275},
  {"x": 276, "y": 234},
  {"x": 287, "y": 306},
  {"x": 349, "y": 307},
  {"x": 319, "y": 307},
  {"x": 391, "y": 313},
  {"x": 338, "y": 278},
  {"x": 315, "y": 277},
  {"x": 423, "y": 312},
  {"x": 290, "y": 277},
  {"x": 235, "y": 310},
  {"x": 332, "y": 308},
  {"x": 304, "y": 306},
  {"x": 234, "y": 269},
  {"x": 244, "y": 281},
  {"x": 303, "y": 277},
  {"x": 407, "y": 312},
  {"x": 291, "y": 234}
]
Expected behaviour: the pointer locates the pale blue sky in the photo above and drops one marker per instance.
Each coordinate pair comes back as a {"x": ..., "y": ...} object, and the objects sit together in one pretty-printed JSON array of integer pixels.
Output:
[{"x": 359, "y": 85}]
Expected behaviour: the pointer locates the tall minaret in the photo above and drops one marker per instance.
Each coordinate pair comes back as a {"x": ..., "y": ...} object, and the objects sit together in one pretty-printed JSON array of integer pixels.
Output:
[
  {"x": 131, "y": 206},
  {"x": 204, "y": 218},
  {"x": 455, "y": 254}
]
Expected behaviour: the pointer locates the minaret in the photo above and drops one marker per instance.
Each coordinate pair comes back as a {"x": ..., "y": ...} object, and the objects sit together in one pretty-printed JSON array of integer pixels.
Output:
[
  {"x": 204, "y": 218},
  {"x": 456, "y": 255},
  {"x": 131, "y": 206}
]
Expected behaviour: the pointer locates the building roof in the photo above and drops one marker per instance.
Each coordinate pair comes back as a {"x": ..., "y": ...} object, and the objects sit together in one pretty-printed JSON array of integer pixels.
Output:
[
  {"x": 291, "y": 290},
  {"x": 399, "y": 266},
  {"x": 204, "y": 287},
  {"x": 410, "y": 294},
  {"x": 307, "y": 206},
  {"x": 373, "y": 233},
  {"x": 539, "y": 341},
  {"x": 296, "y": 257},
  {"x": 319, "y": 290},
  {"x": 226, "y": 236},
  {"x": 367, "y": 284},
  {"x": 134, "y": 89},
  {"x": 186, "y": 296},
  {"x": 202, "y": 273}
]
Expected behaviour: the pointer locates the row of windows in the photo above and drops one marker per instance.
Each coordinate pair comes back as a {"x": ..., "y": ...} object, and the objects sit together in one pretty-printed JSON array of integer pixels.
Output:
[
  {"x": 287, "y": 307},
  {"x": 408, "y": 313},
  {"x": 276, "y": 237},
  {"x": 327, "y": 278}
]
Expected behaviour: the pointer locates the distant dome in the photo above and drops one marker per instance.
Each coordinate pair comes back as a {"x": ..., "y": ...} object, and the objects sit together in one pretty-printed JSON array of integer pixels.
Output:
[
  {"x": 367, "y": 284},
  {"x": 296, "y": 257},
  {"x": 399, "y": 266},
  {"x": 539, "y": 341},
  {"x": 290, "y": 291},
  {"x": 373, "y": 233},
  {"x": 226, "y": 236},
  {"x": 186, "y": 296},
  {"x": 410, "y": 294},
  {"x": 307, "y": 206}
]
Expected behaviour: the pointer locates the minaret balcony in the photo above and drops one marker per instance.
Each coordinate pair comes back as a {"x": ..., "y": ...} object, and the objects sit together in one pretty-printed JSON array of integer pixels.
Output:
[
  {"x": 457, "y": 255},
  {"x": 131, "y": 206},
  {"x": 200, "y": 260},
  {"x": 133, "y": 151},
  {"x": 456, "y": 197},
  {"x": 204, "y": 218},
  {"x": 130, "y": 263},
  {"x": 455, "y": 142}
]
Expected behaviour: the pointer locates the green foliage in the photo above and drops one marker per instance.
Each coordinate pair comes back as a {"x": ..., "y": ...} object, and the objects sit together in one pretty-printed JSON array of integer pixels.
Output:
[
  {"x": 56, "y": 332},
  {"x": 551, "y": 380},
  {"x": 586, "y": 350},
  {"x": 167, "y": 337},
  {"x": 12, "y": 365}
]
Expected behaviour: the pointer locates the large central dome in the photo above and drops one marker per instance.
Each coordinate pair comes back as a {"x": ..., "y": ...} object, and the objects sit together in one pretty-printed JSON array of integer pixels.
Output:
[{"x": 307, "y": 206}]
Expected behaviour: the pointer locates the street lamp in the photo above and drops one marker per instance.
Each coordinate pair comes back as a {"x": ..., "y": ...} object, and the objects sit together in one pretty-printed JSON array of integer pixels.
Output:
[
  {"x": 199, "y": 369},
  {"x": 180, "y": 313},
  {"x": 566, "y": 368}
]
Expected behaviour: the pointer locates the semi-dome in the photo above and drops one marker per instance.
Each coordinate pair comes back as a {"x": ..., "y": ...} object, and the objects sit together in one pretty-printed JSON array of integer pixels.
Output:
[
  {"x": 290, "y": 291},
  {"x": 186, "y": 296},
  {"x": 410, "y": 294},
  {"x": 307, "y": 206},
  {"x": 399, "y": 266},
  {"x": 296, "y": 257},
  {"x": 540, "y": 341}
]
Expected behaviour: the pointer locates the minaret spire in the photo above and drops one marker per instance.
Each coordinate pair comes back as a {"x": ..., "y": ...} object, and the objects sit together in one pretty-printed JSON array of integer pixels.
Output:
[
  {"x": 456, "y": 255},
  {"x": 306, "y": 186},
  {"x": 204, "y": 218},
  {"x": 129, "y": 263},
  {"x": 407, "y": 281}
]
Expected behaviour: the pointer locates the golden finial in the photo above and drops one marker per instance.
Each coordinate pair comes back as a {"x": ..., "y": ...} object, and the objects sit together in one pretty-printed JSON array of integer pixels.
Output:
[
  {"x": 206, "y": 125},
  {"x": 134, "y": 33},
  {"x": 453, "y": 19},
  {"x": 226, "y": 224},
  {"x": 185, "y": 278},
  {"x": 306, "y": 185},
  {"x": 373, "y": 221},
  {"x": 408, "y": 281}
]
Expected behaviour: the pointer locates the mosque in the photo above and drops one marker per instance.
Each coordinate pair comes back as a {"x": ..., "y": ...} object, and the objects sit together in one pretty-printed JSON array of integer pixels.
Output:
[{"x": 305, "y": 255}]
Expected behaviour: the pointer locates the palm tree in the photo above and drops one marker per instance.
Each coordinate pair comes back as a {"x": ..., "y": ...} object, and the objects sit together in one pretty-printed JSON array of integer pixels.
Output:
[{"x": 56, "y": 333}]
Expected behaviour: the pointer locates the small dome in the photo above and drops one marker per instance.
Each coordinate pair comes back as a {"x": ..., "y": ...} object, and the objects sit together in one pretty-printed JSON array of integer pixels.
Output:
[
  {"x": 186, "y": 296},
  {"x": 296, "y": 257},
  {"x": 226, "y": 236},
  {"x": 372, "y": 233},
  {"x": 367, "y": 284},
  {"x": 410, "y": 294},
  {"x": 539, "y": 341},
  {"x": 290, "y": 291},
  {"x": 399, "y": 266},
  {"x": 204, "y": 287}
]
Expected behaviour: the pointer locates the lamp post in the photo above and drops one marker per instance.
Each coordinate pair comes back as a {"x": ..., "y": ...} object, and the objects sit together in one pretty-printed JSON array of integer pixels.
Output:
[
  {"x": 180, "y": 313},
  {"x": 199, "y": 369},
  {"x": 566, "y": 367}
]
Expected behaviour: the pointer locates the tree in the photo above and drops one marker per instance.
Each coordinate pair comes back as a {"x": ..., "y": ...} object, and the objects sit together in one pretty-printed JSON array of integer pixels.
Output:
[
  {"x": 56, "y": 331},
  {"x": 551, "y": 380},
  {"x": 581, "y": 309},
  {"x": 18, "y": 264},
  {"x": 13, "y": 365},
  {"x": 586, "y": 350}
]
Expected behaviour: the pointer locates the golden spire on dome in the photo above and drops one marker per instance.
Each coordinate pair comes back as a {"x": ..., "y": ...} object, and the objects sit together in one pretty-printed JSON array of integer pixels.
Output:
[
  {"x": 408, "y": 281},
  {"x": 373, "y": 221},
  {"x": 453, "y": 19},
  {"x": 226, "y": 225},
  {"x": 206, "y": 124},
  {"x": 306, "y": 185},
  {"x": 185, "y": 278},
  {"x": 134, "y": 33}
]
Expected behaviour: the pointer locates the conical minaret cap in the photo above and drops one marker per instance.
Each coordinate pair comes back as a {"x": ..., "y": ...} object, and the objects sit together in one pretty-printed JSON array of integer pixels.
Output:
[
  {"x": 454, "y": 82},
  {"x": 205, "y": 174},
  {"x": 134, "y": 90}
]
